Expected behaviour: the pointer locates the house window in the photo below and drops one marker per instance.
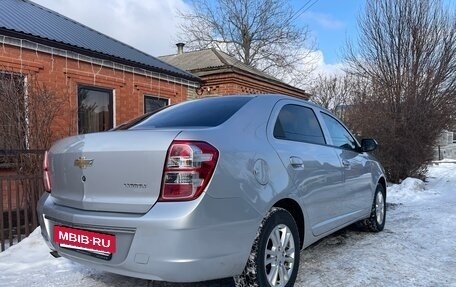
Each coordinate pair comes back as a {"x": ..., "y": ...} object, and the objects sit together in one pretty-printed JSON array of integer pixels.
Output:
[
  {"x": 152, "y": 103},
  {"x": 13, "y": 122},
  {"x": 95, "y": 109}
]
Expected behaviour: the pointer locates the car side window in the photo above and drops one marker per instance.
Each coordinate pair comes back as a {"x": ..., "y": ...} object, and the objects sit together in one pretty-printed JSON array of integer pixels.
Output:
[
  {"x": 298, "y": 123},
  {"x": 339, "y": 135}
]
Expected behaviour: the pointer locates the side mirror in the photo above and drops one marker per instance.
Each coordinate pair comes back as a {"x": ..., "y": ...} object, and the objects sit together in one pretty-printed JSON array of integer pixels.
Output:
[{"x": 368, "y": 145}]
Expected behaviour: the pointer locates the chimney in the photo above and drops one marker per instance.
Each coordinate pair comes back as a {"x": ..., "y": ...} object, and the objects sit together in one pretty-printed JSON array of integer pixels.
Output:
[{"x": 180, "y": 48}]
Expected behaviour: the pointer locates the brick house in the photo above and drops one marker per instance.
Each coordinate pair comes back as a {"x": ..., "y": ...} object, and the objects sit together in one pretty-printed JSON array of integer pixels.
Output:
[
  {"x": 104, "y": 82},
  {"x": 223, "y": 74}
]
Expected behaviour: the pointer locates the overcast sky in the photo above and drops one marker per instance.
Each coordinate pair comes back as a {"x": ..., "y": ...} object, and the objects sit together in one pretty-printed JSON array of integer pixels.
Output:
[
  {"x": 147, "y": 25},
  {"x": 151, "y": 25}
]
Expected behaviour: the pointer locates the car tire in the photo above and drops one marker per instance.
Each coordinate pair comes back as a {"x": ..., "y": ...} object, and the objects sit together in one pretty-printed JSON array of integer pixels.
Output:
[
  {"x": 376, "y": 221},
  {"x": 273, "y": 263}
]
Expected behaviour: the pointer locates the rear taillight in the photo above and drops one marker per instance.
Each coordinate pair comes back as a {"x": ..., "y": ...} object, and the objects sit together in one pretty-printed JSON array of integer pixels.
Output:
[
  {"x": 46, "y": 174},
  {"x": 188, "y": 169}
]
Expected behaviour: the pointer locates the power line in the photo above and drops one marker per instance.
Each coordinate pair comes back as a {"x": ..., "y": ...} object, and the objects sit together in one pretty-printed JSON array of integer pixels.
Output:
[{"x": 304, "y": 8}]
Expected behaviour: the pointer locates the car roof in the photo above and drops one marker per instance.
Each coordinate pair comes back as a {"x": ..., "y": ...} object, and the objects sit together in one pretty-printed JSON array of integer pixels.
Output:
[{"x": 276, "y": 96}]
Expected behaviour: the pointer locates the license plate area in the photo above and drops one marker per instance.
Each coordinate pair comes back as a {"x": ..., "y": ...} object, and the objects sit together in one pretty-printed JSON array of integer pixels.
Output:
[{"x": 96, "y": 244}]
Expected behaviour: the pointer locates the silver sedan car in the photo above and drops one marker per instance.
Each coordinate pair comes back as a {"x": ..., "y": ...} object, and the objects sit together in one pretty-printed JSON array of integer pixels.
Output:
[{"x": 210, "y": 188}]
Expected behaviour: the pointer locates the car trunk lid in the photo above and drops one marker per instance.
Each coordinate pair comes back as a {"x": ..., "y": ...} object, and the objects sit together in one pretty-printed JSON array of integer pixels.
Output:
[{"x": 112, "y": 171}]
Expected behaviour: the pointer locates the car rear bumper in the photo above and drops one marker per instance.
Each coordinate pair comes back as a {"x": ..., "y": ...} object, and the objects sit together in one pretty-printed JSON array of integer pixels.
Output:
[{"x": 191, "y": 241}]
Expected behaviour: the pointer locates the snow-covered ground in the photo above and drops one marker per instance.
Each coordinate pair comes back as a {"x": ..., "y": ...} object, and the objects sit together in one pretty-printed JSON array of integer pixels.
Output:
[{"x": 417, "y": 248}]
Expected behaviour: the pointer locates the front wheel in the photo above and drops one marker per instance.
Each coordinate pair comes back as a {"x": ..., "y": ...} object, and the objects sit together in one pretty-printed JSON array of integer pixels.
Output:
[
  {"x": 376, "y": 221},
  {"x": 274, "y": 259}
]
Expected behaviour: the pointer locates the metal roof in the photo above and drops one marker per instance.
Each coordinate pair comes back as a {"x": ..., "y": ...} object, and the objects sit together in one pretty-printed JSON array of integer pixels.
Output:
[
  {"x": 212, "y": 61},
  {"x": 23, "y": 18},
  {"x": 195, "y": 60}
]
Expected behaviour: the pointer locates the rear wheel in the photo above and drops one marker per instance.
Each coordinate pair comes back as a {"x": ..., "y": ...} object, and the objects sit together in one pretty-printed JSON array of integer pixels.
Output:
[{"x": 274, "y": 259}]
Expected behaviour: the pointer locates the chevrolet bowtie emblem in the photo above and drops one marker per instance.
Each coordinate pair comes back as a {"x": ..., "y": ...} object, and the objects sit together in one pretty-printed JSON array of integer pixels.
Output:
[{"x": 82, "y": 162}]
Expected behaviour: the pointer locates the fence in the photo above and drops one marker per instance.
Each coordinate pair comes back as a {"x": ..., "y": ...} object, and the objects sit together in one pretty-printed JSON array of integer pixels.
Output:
[{"x": 19, "y": 194}]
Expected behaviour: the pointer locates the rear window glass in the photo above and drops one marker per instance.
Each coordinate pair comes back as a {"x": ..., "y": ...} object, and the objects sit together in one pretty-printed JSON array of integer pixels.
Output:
[{"x": 209, "y": 112}]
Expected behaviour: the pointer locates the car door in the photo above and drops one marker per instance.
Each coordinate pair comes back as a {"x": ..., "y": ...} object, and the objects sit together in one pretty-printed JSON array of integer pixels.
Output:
[
  {"x": 296, "y": 135},
  {"x": 357, "y": 171}
]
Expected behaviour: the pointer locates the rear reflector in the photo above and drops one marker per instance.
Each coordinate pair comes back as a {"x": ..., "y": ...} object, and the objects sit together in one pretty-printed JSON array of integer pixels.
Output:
[
  {"x": 46, "y": 174},
  {"x": 188, "y": 169}
]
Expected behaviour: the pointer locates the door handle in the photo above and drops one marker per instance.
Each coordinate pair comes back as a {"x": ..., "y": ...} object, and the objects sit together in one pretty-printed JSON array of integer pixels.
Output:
[{"x": 296, "y": 162}]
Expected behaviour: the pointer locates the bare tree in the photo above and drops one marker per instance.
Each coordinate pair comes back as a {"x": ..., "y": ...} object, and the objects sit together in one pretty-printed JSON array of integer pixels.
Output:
[
  {"x": 12, "y": 109},
  {"x": 407, "y": 51},
  {"x": 336, "y": 92},
  {"x": 261, "y": 33},
  {"x": 27, "y": 113}
]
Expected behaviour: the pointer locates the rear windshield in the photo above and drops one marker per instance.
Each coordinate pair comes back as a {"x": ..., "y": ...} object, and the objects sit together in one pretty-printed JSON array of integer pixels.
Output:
[{"x": 209, "y": 112}]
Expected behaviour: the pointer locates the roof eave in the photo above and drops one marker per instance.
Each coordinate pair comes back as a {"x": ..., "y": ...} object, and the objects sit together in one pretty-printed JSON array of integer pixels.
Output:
[
  {"x": 233, "y": 69},
  {"x": 95, "y": 54}
]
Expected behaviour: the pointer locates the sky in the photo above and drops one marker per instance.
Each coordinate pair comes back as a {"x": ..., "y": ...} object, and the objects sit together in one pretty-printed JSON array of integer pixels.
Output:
[
  {"x": 152, "y": 25},
  {"x": 330, "y": 23}
]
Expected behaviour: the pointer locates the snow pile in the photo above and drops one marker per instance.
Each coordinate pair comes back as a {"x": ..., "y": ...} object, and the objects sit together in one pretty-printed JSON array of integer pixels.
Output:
[
  {"x": 29, "y": 250},
  {"x": 410, "y": 189},
  {"x": 29, "y": 262}
]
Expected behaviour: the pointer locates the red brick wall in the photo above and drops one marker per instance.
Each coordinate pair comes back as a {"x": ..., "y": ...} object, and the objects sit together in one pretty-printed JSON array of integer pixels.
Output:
[
  {"x": 234, "y": 83},
  {"x": 63, "y": 75}
]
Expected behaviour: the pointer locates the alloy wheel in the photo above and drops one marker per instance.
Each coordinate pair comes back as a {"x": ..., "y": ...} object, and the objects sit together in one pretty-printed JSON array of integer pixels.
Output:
[
  {"x": 279, "y": 256},
  {"x": 379, "y": 208}
]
